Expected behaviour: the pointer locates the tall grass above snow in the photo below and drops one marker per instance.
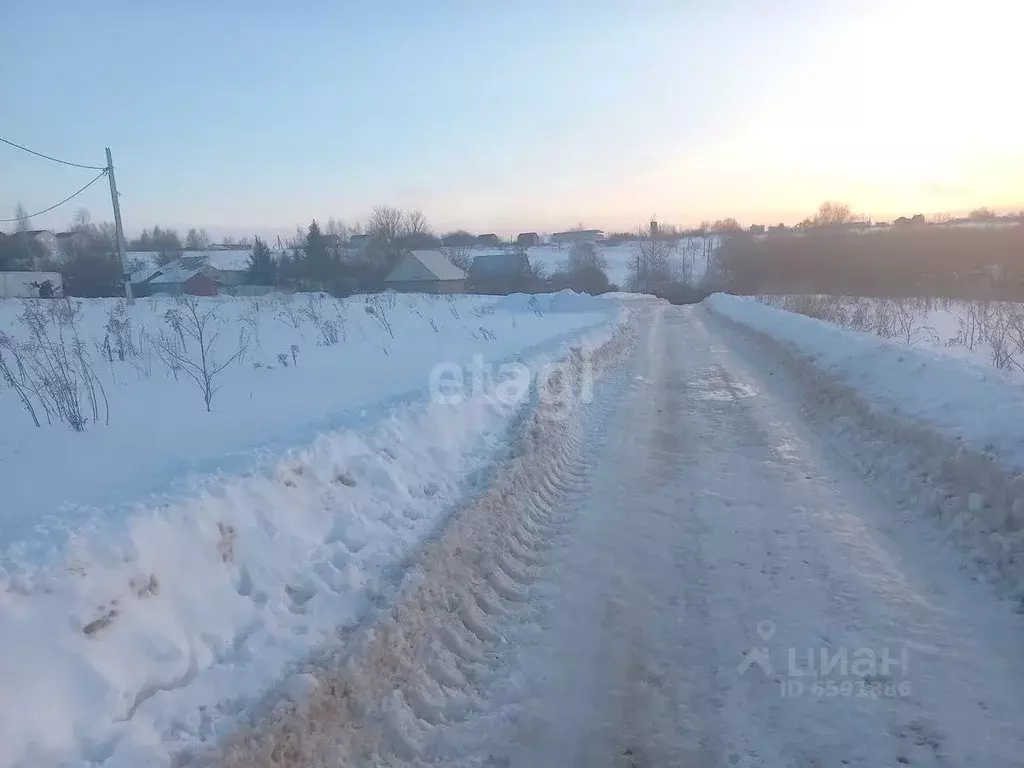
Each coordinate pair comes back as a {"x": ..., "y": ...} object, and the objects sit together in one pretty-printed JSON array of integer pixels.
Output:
[{"x": 989, "y": 332}]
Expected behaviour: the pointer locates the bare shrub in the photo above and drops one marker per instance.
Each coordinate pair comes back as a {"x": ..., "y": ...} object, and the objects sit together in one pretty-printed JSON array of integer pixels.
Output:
[
  {"x": 379, "y": 306},
  {"x": 15, "y": 382},
  {"x": 289, "y": 313},
  {"x": 119, "y": 332},
  {"x": 327, "y": 328},
  {"x": 910, "y": 327},
  {"x": 56, "y": 367},
  {"x": 1004, "y": 335},
  {"x": 189, "y": 346},
  {"x": 452, "y": 306},
  {"x": 651, "y": 268}
]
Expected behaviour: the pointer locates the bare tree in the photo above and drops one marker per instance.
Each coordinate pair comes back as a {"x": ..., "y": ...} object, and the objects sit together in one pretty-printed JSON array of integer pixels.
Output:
[
  {"x": 651, "y": 265},
  {"x": 728, "y": 224},
  {"x": 832, "y": 212},
  {"x": 386, "y": 228},
  {"x": 336, "y": 229},
  {"x": 416, "y": 223},
  {"x": 459, "y": 255},
  {"x": 24, "y": 222},
  {"x": 190, "y": 348},
  {"x": 197, "y": 240},
  {"x": 584, "y": 256},
  {"x": 386, "y": 224}
]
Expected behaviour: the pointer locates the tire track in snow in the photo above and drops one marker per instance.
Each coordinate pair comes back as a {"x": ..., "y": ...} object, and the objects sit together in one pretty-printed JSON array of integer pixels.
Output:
[{"x": 398, "y": 692}]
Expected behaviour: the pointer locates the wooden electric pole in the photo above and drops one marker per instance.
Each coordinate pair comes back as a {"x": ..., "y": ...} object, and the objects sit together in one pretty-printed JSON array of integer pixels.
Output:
[{"x": 122, "y": 250}]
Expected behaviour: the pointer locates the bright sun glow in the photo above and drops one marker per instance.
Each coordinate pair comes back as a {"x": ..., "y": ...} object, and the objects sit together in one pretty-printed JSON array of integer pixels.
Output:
[{"x": 914, "y": 109}]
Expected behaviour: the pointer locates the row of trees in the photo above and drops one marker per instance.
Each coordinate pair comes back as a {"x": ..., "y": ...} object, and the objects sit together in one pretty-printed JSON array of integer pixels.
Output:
[
  {"x": 967, "y": 262},
  {"x": 168, "y": 240},
  {"x": 312, "y": 261},
  {"x": 88, "y": 260}
]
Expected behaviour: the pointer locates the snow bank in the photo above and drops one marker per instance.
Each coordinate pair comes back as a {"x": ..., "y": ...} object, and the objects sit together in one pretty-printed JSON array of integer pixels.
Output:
[
  {"x": 964, "y": 401},
  {"x": 985, "y": 332},
  {"x": 560, "y": 301},
  {"x": 154, "y": 622},
  {"x": 290, "y": 386},
  {"x": 943, "y": 435},
  {"x": 402, "y": 688}
]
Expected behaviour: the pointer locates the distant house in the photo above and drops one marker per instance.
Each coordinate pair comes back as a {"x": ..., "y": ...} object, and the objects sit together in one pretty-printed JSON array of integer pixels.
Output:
[
  {"x": 501, "y": 266},
  {"x": 489, "y": 239},
  {"x": 186, "y": 276},
  {"x": 903, "y": 221},
  {"x": 426, "y": 272},
  {"x": 357, "y": 248},
  {"x": 39, "y": 246},
  {"x": 192, "y": 275},
  {"x": 67, "y": 242},
  {"x": 43, "y": 237},
  {"x": 528, "y": 239},
  {"x": 577, "y": 236}
]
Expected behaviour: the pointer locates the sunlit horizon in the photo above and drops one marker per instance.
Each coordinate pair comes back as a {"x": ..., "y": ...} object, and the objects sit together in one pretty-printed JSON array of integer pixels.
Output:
[{"x": 534, "y": 118}]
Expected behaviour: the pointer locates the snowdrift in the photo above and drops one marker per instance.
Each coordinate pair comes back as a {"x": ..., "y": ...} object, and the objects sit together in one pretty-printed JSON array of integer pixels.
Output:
[
  {"x": 154, "y": 615},
  {"x": 946, "y": 433}
]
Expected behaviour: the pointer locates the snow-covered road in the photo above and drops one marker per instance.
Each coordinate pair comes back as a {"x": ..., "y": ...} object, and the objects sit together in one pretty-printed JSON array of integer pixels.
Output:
[{"x": 695, "y": 579}]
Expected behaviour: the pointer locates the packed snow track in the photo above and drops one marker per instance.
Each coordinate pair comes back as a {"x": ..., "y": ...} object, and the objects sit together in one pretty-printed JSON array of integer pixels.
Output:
[{"x": 681, "y": 572}]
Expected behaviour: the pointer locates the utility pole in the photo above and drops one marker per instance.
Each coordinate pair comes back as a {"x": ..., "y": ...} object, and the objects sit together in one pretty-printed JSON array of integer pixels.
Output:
[{"x": 122, "y": 250}]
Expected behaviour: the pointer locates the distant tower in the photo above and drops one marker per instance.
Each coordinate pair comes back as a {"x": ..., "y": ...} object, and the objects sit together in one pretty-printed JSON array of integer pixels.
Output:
[{"x": 654, "y": 227}]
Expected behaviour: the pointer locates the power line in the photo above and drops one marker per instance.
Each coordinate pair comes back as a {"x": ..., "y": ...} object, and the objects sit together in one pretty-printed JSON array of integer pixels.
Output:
[
  {"x": 72, "y": 196},
  {"x": 54, "y": 159}
]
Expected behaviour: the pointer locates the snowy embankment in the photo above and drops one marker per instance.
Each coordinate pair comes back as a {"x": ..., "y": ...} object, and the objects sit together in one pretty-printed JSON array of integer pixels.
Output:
[
  {"x": 160, "y": 575},
  {"x": 987, "y": 332},
  {"x": 948, "y": 432}
]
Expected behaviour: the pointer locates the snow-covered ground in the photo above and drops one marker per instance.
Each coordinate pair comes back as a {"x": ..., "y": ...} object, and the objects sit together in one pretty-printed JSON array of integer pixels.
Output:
[
  {"x": 159, "y": 573},
  {"x": 947, "y": 432},
  {"x": 721, "y": 535},
  {"x": 692, "y": 572},
  {"x": 964, "y": 399}
]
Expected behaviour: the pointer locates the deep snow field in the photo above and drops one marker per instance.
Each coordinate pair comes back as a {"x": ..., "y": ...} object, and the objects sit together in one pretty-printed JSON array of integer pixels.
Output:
[{"x": 161, "y": 567}]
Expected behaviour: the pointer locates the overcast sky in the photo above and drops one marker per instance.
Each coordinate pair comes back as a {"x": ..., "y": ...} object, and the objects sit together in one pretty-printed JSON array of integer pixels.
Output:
[{"x": 252, "y": 116}]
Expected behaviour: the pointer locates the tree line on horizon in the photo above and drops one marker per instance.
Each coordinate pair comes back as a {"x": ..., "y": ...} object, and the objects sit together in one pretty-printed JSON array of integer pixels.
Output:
[{"x": 313, "y": 257}]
